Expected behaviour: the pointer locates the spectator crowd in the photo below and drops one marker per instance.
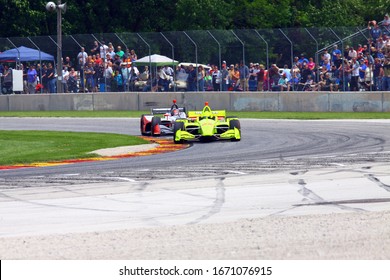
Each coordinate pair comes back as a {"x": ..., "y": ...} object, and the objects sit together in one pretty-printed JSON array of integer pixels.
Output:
[{"x": 364, "y": 67}]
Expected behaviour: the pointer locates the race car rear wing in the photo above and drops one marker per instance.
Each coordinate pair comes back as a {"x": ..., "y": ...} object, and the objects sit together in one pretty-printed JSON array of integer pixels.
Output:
[
  {"x": 158, "y": 111},
  {"x": 196, "y": 114}
]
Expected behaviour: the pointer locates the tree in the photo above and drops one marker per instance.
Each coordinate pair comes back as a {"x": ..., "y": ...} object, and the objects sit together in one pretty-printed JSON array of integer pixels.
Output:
[{"x": 30, "y": 18}]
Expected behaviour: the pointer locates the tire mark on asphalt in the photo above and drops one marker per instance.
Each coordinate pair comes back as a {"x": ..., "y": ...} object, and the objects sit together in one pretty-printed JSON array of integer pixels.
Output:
[
  {"x": 57, "y": 206},
  {"x": 318, "y": 200},
  {"x": 378, "y": 182},
  {"x": 219, "y": 201}
]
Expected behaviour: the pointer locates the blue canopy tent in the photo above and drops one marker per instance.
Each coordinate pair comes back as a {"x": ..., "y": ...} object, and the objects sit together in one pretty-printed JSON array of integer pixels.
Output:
[{"x": 24, "y": 54}]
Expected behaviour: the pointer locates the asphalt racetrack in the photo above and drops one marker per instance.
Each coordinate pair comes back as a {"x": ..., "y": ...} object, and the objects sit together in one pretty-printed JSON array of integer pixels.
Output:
[{"x": 288, "y": 190}]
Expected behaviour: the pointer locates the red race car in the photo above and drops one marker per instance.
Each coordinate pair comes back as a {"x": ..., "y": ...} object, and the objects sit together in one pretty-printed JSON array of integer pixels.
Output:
[{"x": 161, "y": 120}]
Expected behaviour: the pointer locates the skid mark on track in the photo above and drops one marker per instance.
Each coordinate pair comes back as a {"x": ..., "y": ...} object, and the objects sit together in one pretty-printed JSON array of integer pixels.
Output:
[
  {"x": 374, "y": 179},
  {"x": 310, "y": 195},
  {"x": 219, "y": 201}
]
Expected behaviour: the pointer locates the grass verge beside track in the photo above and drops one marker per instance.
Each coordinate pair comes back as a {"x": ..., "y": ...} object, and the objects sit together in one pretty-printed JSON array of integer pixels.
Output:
[{"x": 21, "y": 147}]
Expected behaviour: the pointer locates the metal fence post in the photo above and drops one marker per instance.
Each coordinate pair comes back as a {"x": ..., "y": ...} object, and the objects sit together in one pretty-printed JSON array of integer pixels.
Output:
[
  {"x": 219, "y": 56},
  {"x": 40, "y": 61},
  {"x": 292, "y": 46},
  {"x": 243, "y": 54},
  {"x": 266, "y": 46},
  {"x": 116, "y": 35},
  {"x": 18, "y": 61},
  {"x": 316, "y": 54},
  {"x": 196, "y": 58},
  {"x": 342, "y": 49},
  {"x": 150, "y": 62},
  {"x": 173, "y": 59}
]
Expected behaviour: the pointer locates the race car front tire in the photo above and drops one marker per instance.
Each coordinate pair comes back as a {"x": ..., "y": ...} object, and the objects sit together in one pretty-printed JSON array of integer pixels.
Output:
[
  {"x": 142, "y": 124},
  {"x": 155, "y": 121},
  {"x": 176, "y": 127},
  {"x": 235, "y": 124}
]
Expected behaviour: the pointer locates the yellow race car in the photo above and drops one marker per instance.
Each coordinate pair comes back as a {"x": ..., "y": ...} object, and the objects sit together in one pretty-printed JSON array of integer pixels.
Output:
[{"x": 206, "y": 125}]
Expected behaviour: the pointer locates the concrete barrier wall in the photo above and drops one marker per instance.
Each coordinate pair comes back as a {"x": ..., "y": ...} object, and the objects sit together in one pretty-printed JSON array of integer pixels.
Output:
[{"x": 231, "y": 101}]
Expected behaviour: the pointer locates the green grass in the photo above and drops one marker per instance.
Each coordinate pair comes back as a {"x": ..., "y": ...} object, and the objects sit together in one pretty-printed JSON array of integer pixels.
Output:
[
  {"x": 255, "y": 115},
  {"x": 74, "y": 114},
  {"x": 21, "y": 147}
]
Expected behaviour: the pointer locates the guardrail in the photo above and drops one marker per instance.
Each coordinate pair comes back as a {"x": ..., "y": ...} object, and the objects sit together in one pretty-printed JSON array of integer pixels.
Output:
[{"x": 231, "y": 101}]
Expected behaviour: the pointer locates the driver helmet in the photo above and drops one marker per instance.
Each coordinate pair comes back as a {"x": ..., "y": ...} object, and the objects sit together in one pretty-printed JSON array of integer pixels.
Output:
[{"x": 175, "y": 112}]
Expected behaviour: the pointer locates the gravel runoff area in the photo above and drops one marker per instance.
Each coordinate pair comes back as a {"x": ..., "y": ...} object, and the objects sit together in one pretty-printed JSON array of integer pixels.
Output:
[{"x": 331, "y": 236}]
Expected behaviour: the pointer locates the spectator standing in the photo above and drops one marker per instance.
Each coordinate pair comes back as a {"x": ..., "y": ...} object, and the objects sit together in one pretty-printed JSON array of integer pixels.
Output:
[
  {"x": 98, "y": 59},
  {"x": 352, "y": 53},
  {"x": 326, "y": 55},
  {"x": 287, "y": 73},
  {"x": 51, "y": 78},
  {"x": 163, "y": 79},
  {"x": 32, "y": 78},
  {"x": 117, "y": 62},
  {"x": 378, "y": 74},
  {"x": 169, "y": 71},
  {"x": 312, "y": 64},
  {"x": 354, "y": 74},
  {"x": 125, "y": 72},
  {"x": 345, "y": 75},
  {"x": 120, "y": 52},
  {"x": 7, "y": 79},
  {"x": 103, "y": 49},
  {"x": 117, "y": 84},
  {"x": 111, "y": 51},
  {"x": 82, "y": 60},
  {"x": 216, "y": 79},
  {"x": 72, "y": 81},
  {"x": 67, "y": 63},
  {"x": 336, "y": 53},
  {"x": 224, "y": 77},
  {"x": 191, "y": 78},
  {"x": 108, "y": 75},
  {"x": 295, "y": 77},
  {"x": 244, "y": 76},
  {"x": 45, "y": 80},
  {"x": 95, "y": 48},
  {"x": 134, "y": 76},
  {"x": 273, "y": 76},
  {"x": 386, "y": 75},
  {"x": 24, "y": 71},
  {"x": 235, "y": 77},
  {"x": 65, "y": 78},
  {"x": 133, "y": 56},
  {"x": 89, "y": 76},
  {"x": 375, "y": 30},
  {"x": 306, "y": 72},
  {"x": 260, "y": 78},
  {"x": 386, "y": 24},
  {"x": 200, "y": 78}
]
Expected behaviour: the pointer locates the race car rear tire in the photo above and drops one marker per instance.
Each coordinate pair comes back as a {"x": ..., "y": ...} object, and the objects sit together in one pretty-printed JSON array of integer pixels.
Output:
[
  {"x": 177, "y": 126},
  {"x": 155, "y": 121},
  {"x": 142, "y": 126},
  {"x": 235, "y": 124}
]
